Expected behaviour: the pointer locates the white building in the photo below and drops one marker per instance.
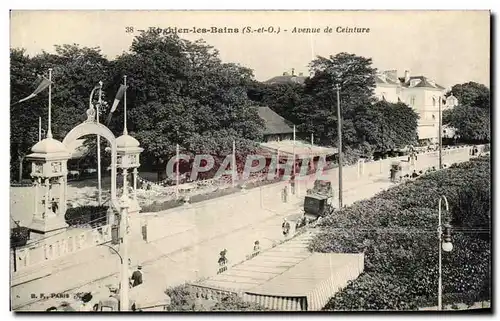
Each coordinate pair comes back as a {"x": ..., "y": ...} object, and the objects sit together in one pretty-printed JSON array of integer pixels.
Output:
[{"x": 420, "y": 93}]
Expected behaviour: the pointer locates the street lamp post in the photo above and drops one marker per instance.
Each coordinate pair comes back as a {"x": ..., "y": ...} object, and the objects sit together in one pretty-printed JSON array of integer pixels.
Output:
[
  {"x": 339, "y": 134},
  {"x": 444, "y": 244}
]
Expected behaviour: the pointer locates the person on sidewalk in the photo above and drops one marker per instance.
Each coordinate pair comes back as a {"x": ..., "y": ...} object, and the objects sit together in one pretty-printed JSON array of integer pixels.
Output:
[
  {"x": 256, "y": 246},
  {"x": 54, "y": 206},
  {"x": 292, "y": 184},
  {"x": 285, "y": 227},
  {"x": 222, "y": 259},
  {"x": 137, "y": 277},
  {"x": 86, "y": 306},
  {"x": 285, "y": 194}
]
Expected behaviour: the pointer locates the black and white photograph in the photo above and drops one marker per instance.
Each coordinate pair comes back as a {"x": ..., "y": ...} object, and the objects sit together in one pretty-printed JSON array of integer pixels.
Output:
[{"x": 242, "y": 161}]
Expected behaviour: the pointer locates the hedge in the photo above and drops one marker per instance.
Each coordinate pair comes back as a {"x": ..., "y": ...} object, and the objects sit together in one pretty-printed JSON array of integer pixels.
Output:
[
  {"x": 183, "y": 299},
  {"x": 397, "y": 231},
  {"x": 87, "y": 214},
  {"x": 19, "y": 236}
]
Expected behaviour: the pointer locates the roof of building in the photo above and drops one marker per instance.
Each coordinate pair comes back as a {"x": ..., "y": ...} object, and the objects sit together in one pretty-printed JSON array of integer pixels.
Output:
[
  {"x": 286, "y": 79},
  {"x": 278, "y": 275},
  {"x": 274, "y": 123},
  {"x": 300, "y": 149},
  {"x": 49, "y": 146},
  {"x": 381, "y": 79},
  {"x": 126, "y": 141},
  {"x": 423, "y": 83}
]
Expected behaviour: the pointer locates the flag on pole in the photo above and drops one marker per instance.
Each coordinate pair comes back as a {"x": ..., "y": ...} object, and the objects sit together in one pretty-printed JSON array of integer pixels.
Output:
[
  {"x": 41, "y": 87},
  {"x": 118, "y": 97}
]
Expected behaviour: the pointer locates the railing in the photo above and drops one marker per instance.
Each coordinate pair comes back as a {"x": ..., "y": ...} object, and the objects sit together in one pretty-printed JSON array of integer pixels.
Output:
[{"x": 36, "y": 253}]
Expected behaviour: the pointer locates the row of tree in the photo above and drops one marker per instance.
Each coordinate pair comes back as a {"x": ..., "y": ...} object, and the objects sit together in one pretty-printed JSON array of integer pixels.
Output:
[{"x": 180, "y": 92}]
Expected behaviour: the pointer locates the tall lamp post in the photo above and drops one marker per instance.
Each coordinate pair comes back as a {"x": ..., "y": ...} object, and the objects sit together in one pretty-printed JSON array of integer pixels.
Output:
[
  {"x": 444, "y": 244},
  {"x": 339, "y": 134}
]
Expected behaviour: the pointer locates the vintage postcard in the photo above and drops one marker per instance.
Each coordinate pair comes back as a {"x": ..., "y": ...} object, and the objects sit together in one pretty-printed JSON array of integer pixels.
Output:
[{"x": 203, "y": 161}]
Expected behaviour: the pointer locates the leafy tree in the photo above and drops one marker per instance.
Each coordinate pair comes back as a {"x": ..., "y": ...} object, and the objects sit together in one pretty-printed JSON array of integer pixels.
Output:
[
  {"x": 281, "y": 98},
  {"x": 75, "y": 72},
  {"x": 471, "y": 118},
  {"x": 472, "y": 94},
  {"x": 318, "y": 111},
  {"x": 23, "y": 116},
  {"x": 181, "y": 93},
  {"x": 472, "y": 124},
  {"x": 386, "y": 126}
]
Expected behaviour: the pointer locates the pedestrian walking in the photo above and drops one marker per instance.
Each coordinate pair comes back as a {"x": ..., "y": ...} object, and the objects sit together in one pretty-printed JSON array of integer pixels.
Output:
[
  {"x": 292, "y": 183},
  {"x": 256, "y": 246},
  {"x": 137, "y": 277},
  {"x": 54, "y": 206},
  {"x": 285, "y": 194},
  {"x": 285, "y": 226},
  {"x": 222, "y": 259}
]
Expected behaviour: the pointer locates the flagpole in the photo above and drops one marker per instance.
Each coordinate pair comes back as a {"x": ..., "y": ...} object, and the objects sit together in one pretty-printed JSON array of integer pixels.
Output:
[
  {"x": 234, "y": 163},
  {"x": 39, "y": 128},
  {"x": 99, "y": 187},
  {"x": 49, "y": 131},
  {"x": 125, "y": 132},
  {"x": 177, "y": 171},
  {"x": 293, "y": 150}
]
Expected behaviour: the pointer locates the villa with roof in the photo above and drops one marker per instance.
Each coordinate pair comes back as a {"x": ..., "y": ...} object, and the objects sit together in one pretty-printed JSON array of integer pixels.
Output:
[{"x": 419, "y": 92}]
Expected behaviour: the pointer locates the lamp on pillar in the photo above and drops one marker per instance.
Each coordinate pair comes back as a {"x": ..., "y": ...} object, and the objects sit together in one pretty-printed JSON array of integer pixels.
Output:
[
  {"x": 49, "y": 170},
  {"x": 128, "y": 151}
]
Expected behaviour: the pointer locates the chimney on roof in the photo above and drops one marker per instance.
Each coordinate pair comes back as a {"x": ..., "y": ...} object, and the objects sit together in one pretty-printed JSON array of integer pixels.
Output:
[
  {"x": 392, "y": 75},
  {"x": 293, "y": 71},
  {"x": 407, "y": 76}
]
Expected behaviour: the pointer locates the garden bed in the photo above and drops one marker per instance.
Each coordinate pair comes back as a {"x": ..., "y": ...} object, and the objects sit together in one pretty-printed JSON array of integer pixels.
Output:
[{"x": 396, "y": 230}]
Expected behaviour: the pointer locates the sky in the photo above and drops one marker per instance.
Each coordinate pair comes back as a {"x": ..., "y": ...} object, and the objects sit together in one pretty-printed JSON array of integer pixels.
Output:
[{"x": 450, "y": 47}]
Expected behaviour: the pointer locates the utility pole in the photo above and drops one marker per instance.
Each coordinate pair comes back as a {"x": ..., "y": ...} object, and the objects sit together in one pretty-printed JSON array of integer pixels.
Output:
[
  {"x": 339, "y": 133},
  {"x": 99, "y": 187},
  {"x": 440, "y": 136}
]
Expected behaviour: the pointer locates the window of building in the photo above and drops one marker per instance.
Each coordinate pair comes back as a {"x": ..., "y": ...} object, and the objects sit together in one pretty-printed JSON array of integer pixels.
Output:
[
  {"x": 433, "y": 116},
  {"x": 433, "y": 103},
  {"x": 412, "y": 101}
]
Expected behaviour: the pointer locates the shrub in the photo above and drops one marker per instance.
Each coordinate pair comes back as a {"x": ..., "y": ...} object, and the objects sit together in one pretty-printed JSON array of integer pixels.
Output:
[
  {"x": 218, "y": 193},
  {"x": 182, "y": 299},
  {"x": 19, "y": 236},
  {"x": 235, "y": 303},
  {"x": 161, "y": 206},
  {"x": 396, "y": 230},
  {"x": 87, "y": 214}
]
